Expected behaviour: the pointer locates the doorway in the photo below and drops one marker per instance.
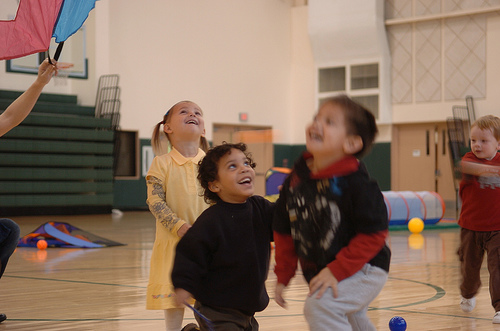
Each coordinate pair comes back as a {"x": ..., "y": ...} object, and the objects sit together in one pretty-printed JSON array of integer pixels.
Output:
[{"x": 421, "y": 160}]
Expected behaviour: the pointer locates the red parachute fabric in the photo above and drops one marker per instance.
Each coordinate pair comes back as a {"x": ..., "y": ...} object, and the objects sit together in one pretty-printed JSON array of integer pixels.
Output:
[{"x": 30, "y": 32}]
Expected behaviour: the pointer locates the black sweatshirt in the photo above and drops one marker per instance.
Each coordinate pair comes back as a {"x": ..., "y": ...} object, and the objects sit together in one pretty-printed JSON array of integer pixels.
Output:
[{"x": 223, "y": 260}]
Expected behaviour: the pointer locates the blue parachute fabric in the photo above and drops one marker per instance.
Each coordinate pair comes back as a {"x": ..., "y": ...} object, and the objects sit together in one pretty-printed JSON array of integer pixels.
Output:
[
  {"x": 54, "y": 232},
  {"x": 72, "y": 15}
]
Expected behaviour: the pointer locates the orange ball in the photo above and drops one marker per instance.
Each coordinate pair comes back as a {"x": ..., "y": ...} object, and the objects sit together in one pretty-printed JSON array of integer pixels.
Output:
[
  {"x": 416, "y": 225},
  {"x": 41, "y": 244}
]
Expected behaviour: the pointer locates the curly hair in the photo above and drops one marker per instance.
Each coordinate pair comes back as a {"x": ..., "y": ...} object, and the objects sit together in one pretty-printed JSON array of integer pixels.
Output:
[{"x": 209, "y": 167}]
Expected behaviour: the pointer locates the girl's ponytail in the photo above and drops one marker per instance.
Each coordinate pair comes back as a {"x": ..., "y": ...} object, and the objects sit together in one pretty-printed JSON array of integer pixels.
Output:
[
  {"x": 204, "y": 144},
  {"x": 158, "y": 140}
]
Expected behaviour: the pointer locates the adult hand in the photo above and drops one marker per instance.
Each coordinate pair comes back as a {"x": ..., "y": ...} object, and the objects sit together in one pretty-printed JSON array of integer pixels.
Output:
[{"x": 46, "y": 71}]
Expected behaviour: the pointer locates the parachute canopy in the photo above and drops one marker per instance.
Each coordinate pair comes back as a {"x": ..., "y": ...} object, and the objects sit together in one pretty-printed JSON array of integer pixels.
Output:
[{"x": 58, "y": 234}]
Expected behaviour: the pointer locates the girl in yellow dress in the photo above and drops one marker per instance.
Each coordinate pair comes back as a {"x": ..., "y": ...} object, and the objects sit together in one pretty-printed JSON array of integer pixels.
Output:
[{"x": 174, "y": 199}]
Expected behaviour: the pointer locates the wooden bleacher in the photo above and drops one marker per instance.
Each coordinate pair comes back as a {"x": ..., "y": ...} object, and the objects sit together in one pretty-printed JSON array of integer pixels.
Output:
[{"x": 59, "y": 160}]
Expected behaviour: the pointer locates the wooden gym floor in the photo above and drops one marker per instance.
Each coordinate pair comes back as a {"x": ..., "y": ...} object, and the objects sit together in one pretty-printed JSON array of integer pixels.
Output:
[{"x": 104, "y": 289}]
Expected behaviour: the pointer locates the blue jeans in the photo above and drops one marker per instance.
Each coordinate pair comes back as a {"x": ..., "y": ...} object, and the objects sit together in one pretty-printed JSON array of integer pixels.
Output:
[{"x": 9, "y": 237}]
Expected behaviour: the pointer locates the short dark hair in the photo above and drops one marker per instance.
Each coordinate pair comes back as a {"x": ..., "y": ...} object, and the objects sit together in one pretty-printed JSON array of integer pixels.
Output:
[
  {"x": 209, "y": 167},
  {"x": 358, "y": 120}
]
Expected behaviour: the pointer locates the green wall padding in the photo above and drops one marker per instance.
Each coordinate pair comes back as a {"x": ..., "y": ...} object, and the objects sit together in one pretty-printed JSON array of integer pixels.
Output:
[
  {"x": 131, "y": 194},
  {"x": 285, "y": 155},
  {"x": 378, "y": 161}
]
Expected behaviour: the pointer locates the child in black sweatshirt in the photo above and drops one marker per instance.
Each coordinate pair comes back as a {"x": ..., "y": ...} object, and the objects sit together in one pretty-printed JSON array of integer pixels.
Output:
[{"x": 223, "y": 260}]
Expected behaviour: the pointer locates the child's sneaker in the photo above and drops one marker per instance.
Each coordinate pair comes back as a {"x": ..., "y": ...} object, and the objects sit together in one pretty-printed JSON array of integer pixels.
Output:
[
  {"x": 468, "y": 304},
  {"x": 496, "y": 318},
  {"x": 190, "y": 327}
]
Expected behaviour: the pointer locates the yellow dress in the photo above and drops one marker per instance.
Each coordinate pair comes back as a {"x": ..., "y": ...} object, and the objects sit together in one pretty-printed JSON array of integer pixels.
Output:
[{"x": 174, "y": 198}]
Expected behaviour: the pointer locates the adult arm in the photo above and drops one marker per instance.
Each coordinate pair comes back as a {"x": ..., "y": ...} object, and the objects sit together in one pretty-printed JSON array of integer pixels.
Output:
[{"x": 17, "y": 111}]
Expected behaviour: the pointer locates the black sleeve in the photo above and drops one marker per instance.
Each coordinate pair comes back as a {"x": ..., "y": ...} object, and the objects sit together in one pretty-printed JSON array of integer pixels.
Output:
[
  {"x": 281, "y": 219},
  {"x": 269, "y": 212},
  {"x": 266, "y": 210},
  {"x": 192, "y": 257}
]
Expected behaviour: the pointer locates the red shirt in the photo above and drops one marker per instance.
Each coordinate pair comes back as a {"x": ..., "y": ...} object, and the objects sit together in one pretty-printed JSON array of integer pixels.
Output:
[{"x": 480, "y": 198}]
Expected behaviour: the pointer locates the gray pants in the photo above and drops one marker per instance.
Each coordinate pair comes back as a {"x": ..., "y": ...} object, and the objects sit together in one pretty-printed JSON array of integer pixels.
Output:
[{"x": 348, "y": 310}]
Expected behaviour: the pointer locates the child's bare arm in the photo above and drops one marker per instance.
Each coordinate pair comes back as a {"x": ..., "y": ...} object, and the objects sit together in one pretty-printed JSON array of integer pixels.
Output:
[{"x": 478, "y": 169}]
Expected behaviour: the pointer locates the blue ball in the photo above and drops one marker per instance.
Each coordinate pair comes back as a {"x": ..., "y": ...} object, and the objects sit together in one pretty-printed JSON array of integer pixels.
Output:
[{"x": 397, "y": 323}]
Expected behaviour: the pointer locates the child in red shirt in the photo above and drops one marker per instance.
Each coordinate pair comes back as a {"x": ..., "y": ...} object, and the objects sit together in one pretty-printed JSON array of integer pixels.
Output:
[{"x": 480, "y": 226}]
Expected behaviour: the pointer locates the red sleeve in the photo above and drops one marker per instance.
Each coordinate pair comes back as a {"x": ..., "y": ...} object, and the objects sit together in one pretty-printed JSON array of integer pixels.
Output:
[
  {"x": 286, "y": 258},
  {"x": 361, "y": 249}
]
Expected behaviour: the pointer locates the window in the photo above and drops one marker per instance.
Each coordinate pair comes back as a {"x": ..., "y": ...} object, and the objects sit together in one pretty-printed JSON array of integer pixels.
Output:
[
  {"x": 359, "y": 81},
  {"x": 364, "y": 76},
  {"x": 369, "y": 102},
  {"x": 332, "y": 79}
]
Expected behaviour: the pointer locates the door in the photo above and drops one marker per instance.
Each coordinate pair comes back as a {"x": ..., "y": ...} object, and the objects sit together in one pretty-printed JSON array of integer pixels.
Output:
[
  {"x": 259, "y": 141},
  {"x": 421, "y": 160}
]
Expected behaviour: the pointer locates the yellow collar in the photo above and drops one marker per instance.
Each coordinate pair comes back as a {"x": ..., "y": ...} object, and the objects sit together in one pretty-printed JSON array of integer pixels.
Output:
[{"x": 181, "y": 159}]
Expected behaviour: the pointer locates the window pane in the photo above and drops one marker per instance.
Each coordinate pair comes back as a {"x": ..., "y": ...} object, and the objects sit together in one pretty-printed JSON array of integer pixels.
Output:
[
  {"x": 370, "y": 102},
  {"x": 364, "y": 76},
  {"x": 332, "y": 79}
]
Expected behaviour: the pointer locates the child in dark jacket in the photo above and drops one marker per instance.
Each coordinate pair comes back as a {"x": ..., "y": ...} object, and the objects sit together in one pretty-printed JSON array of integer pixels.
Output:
[{"x": 332, "y": 218}]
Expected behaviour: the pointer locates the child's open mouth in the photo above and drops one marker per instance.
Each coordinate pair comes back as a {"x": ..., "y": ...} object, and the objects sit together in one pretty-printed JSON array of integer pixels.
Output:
[
  {"x": 315, "y": 136},
  {"x": 245, "y": 181}
]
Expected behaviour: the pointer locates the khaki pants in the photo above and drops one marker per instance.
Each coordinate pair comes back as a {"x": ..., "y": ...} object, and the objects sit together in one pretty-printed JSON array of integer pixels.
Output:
[
  {"x": 225, "y": 319},
  {"x": 473, "y": 245}
]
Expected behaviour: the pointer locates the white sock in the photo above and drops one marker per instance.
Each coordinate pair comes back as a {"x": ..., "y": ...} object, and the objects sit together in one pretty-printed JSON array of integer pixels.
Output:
[{"x": 173, "y": 318}]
